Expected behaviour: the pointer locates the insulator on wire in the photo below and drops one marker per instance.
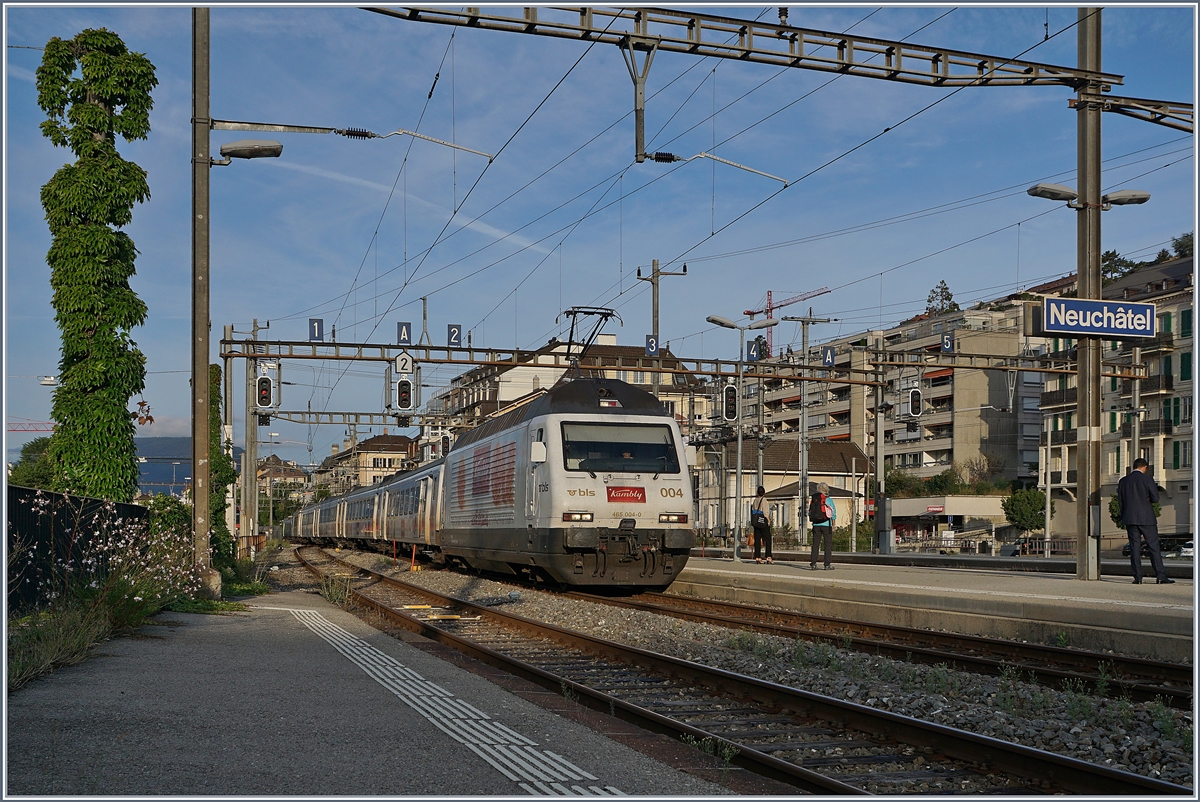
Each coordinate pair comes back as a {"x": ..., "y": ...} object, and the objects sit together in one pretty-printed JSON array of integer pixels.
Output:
[
  {"x": 666, "y": 158},
  {"x": 357, "y": 133}
]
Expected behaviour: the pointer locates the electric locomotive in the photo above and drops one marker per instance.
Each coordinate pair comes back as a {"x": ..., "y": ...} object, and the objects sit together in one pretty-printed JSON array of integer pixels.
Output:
[{"x": 586, "y": 484}]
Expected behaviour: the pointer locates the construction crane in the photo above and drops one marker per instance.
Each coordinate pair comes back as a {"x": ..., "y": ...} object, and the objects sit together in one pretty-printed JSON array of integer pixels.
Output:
[
  {"x": 771, "y": 307},
  {"x": 30, "y": 426}
]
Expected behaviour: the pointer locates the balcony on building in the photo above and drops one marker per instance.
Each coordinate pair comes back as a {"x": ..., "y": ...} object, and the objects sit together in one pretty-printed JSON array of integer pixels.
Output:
[
  {"x": 1061, "y": 438},
  {"x": 1152, "y": 385},
  {"x": 1150, "y": 428},
  {"x": 1059, "y": 398},
  {"x": 1056, "y": 478},
  {"x": 1163, "y": 341}
]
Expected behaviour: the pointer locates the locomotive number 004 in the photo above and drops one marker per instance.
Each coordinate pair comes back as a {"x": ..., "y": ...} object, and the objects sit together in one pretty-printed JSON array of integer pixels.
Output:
[{"x": 670, "y": 492}]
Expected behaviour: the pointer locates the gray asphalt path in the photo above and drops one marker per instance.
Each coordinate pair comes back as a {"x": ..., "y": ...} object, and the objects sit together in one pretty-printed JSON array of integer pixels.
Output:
[{"x": 299, "y": 698}]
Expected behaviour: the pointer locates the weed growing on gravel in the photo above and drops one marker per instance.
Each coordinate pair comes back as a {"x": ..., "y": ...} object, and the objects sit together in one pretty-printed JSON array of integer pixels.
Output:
[
  {"x": 1038, "y": 697},
  {"x": 1062, "y": 641},
  {"x": 335, "y": 590},
  {"x": 1164, "y": 719},
  {"x": 1080, "y": 706},
  {"x": 1104, "y": 675},
  {"x": 207, "y": 606},
  {"x": 726, "y": 752},
  {"x": 937, "y": 679},
  {"x": 1006, "y": 692},
  {"x": 569, "y": 693}
]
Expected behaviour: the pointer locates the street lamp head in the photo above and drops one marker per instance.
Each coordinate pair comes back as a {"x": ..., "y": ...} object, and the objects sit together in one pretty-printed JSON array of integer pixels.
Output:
[
  {"x": 1056, "y": 192},
  {"x": 252, "y": 149},
  {"x": 721, "y": 321},
  {"x": 1124, "y": 197},
  {"x": 766, "y": 322}
]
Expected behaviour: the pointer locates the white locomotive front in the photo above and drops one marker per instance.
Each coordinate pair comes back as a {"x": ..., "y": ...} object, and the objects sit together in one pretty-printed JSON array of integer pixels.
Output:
[{"x": 586, "y": 485}]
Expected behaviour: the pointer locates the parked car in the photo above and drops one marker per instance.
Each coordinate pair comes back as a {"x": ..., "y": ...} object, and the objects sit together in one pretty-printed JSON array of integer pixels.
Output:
[{"x": 1187, "y": 550}]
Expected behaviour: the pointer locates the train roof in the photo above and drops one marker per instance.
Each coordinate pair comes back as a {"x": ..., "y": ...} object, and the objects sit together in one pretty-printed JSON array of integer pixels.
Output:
[{"x": 582, "y": 396}]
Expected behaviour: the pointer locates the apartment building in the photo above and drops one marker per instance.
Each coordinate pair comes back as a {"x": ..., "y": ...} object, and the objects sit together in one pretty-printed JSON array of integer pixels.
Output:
[
  {"x": 1167, "y": 408},
  {"x": 983, "y": 422},
  {"x": 485, "y": 390},
  {"x": 357, "y": 463}
]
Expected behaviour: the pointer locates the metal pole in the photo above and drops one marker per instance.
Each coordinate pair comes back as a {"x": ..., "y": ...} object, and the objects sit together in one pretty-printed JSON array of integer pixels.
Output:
[
  {"x": 853, "y": 504},
  {"x": 802, "y": 486},
  {"x": 200, "y": 289},
  {"x": 737, "y": 498},
  {"x": 1049, "y": 487},
  {"x": 1135, "y": 425},
  {"x": 655, "y": 274},
  {"x": 1087, "y": 565},
  {"x": 883, "y": 535}
]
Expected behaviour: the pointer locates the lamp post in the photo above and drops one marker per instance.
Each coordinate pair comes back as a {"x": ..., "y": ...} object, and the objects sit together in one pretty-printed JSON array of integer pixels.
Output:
[
  {"x": 202, "y": 162},
  {"x": 1089, "y": 206},
  {"x": 729, "y": 324}
]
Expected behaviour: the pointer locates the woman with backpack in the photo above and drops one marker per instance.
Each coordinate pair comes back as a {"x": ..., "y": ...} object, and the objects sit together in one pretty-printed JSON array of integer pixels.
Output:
[
  {"x": 822, "y": 514},
  {"x": 762, "y": 526}
]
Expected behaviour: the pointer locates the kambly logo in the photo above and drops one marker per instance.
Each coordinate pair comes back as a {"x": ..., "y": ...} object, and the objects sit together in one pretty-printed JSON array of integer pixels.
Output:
[{"x": 634, "y": 495}]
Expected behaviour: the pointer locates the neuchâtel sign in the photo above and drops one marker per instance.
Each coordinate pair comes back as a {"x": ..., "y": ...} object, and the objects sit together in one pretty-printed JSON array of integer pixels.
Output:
[{"x": 1086, "y": 318}]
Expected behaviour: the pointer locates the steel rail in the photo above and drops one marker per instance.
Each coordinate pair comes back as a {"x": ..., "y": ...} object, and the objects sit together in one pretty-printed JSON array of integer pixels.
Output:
[
  {"x": 930, "y": 647},
  {"x": 986, "y": 753}
]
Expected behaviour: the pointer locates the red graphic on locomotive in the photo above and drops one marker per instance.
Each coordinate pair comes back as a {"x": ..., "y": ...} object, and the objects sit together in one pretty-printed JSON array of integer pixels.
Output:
[{"x": 627, "y": 495}]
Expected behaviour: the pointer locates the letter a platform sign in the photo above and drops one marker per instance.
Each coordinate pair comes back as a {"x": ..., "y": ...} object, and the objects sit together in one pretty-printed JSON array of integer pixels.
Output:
[{"x": 1098, "y": 318}]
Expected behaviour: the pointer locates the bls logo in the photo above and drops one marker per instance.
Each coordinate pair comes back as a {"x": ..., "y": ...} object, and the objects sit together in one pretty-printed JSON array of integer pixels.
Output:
[{"x": 583, "y": 492}]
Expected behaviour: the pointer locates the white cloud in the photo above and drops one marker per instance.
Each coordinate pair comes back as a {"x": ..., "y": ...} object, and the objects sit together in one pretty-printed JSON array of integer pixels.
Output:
[{"x": 22, "y": 74}]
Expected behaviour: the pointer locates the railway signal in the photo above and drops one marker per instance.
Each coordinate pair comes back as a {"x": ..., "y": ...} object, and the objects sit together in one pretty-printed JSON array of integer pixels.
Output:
[
  {"x": 914, "y": 402},
  {"x": 404, "y": 394},
  {"x": 264, "y": 396},
  {"x": 729, "y": 402}
]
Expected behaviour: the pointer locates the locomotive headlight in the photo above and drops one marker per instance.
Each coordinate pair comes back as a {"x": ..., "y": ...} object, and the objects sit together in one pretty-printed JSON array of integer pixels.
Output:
[
  {"x": 672, "y": 518},
  {"x": 577, "y": 516}
]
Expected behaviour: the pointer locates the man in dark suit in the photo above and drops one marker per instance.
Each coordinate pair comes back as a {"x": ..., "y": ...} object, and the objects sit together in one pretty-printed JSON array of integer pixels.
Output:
[{"x": 1138, "y": 494}]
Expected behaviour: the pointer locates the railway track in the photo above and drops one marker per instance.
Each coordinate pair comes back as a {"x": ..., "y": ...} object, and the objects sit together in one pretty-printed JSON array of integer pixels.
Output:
[
  {"x": 815, "y": 743},
  {"x": 1111, "y": 675}
]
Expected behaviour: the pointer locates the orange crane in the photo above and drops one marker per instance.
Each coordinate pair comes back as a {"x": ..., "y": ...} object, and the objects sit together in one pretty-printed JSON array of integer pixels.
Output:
[
  {"x": 771, "y": 307},
  {"x": 31, "y": 426}
]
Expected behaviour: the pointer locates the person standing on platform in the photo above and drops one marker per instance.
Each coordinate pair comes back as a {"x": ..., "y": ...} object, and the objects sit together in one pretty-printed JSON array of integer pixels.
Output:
[
  {"x": 762, "y": 526},
  {"x": 1137, "y": 495},
  {"x": 823, "y": 514}
]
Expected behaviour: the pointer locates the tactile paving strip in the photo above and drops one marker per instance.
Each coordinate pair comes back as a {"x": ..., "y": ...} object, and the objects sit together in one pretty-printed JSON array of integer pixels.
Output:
[{"x": 541, "y": 773}]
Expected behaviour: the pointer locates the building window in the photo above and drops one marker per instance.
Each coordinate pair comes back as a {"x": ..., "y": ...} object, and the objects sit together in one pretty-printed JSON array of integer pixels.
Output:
[
  {"x": 1185, "y": 366},
  {"x": 1185, "y": 415},
  {"x": 1029, "y": 430},
  {"x": 1185, "y": 323},
  {"x": 1114, "y": 461},
  {"x": 1175, "y": 454},
  {"x": 1029, "y": 404},
  {"x": 1112, "y": 421},
  {"x": 1185, "y": 460},
  {"x": 1167, "y": 368},
  {"x": 1068, "y": 420},
  {"x": 1176, "y": 411},
  {"x": 1113, "y": 385}
]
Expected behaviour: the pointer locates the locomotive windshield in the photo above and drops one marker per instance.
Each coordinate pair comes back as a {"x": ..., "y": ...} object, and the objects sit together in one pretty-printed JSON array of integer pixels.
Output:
[{"x": 619, "y": 447}]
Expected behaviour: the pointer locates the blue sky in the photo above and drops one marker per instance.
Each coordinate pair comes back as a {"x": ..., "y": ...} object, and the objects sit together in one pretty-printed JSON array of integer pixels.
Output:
[{"x": 341, "y": 229}]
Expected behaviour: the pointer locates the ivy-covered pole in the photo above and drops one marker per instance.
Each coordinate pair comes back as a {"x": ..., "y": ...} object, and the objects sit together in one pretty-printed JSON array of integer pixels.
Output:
[
  {"x": 201, "y": 434},
  {"x": 93, "y": 88}
]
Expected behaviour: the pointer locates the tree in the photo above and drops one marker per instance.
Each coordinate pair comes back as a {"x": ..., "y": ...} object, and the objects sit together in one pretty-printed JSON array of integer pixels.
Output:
[
  {"x": 940, "y": 300},
  {"x": 1113, "y": 266},
  {"x": 33, "y": 469},
  {"x": 1182, "y": 245},
  {"x": 221, "y": 475},
  {"x": 946, "y": 483},
  {"x": 92, "y": 88},
  {"x": 1026, "y": 509},
  {"x": 1114, "y": 510},
  {"x": 901, "y": 484}
]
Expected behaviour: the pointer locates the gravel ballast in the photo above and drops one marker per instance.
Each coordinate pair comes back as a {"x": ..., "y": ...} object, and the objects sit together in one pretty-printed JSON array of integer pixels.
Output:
[{"x": 1150, "y": 739}]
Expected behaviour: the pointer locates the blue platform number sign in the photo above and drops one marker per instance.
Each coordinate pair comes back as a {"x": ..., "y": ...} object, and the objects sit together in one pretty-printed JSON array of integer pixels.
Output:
[
  {"x": 651, "y": 345},
  {"x": 827, "y": 357},
  {"x": 404, "y": 334},
  {"x": 752, "y": 351},
  {"x": 454, "y": 335},
  {"x": 316, "y": 329},
  {"x": 947, "y": 343}
]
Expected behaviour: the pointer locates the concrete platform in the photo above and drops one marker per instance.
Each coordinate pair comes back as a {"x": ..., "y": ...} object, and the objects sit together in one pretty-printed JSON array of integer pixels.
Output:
[
  {"x": 1147, "y": 620},
  {"x": 299, "y": 698}
]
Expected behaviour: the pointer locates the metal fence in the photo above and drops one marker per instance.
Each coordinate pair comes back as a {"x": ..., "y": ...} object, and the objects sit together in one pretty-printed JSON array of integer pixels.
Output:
[{"x": 47, "y": 531}]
